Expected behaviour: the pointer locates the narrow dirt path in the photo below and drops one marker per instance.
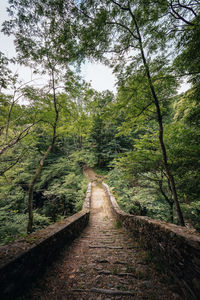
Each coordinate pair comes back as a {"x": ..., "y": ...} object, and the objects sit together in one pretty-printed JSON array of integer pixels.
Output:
[{"x": 103, "y": 263}]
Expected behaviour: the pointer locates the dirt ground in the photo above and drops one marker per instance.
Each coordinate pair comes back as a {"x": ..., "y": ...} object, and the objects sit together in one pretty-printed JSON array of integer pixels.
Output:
[{"x": 105, "y": 262}]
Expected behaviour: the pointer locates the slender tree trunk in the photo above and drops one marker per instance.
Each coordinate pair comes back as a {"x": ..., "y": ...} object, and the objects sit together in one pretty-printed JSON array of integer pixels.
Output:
[
  {"x": 171, "y": 211},
  {"x": 38, "y": 170},
  {"x": 169, "y": 201},
  {"x": 163, "y": 148},
  {"x": 31, "y": 188},
  {"x": 160, "y": 122}
]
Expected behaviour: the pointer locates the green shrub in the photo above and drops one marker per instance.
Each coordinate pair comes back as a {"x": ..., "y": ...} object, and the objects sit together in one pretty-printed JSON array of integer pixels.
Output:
[{"x": 13, "y": 224}]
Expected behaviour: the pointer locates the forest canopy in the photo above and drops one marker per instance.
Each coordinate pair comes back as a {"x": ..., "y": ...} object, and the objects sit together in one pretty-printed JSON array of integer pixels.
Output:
[{"x": 145, "y": 138}]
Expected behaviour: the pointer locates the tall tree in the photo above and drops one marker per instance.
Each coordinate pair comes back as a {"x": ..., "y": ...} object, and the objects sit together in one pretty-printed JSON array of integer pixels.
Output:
[
  {"x": 45, "y": 41},
  {"x": 129, "y": 30}
]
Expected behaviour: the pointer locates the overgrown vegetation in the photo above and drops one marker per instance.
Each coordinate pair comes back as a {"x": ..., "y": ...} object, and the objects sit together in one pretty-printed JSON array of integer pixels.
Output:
[
  {"x": 59, "y": 192},
  {"x": 145, "y": 139}
]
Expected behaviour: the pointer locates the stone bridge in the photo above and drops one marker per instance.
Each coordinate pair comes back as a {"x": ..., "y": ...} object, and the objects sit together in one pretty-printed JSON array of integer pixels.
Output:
[{"x": 103, "y": 253}]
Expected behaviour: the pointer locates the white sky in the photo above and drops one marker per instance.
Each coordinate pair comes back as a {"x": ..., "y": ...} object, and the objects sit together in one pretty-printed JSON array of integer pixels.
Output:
[
  {"x": 6, "y": 43},
  {"x": 100, "y": 76}
]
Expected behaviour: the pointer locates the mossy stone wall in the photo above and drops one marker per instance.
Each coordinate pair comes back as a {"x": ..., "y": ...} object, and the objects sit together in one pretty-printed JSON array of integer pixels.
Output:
[
  {"x": 23, "y": 262},
  {"x": 176, "y": 247}
]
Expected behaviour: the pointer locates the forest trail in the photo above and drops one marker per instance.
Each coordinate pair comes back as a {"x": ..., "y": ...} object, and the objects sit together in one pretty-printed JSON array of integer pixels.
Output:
[{"x": 105, "y": 262}]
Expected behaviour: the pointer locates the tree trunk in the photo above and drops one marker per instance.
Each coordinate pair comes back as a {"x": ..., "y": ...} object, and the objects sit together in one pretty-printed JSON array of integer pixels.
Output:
[
  {"x": 38, "y": 170},
  {"x": 31, "y": 188},
  {"x": 163, "y": 148},
  {"x": 171, "y": 211},
  {"x": 159, "y": 118},
  {"x": 169, "y": 201}
]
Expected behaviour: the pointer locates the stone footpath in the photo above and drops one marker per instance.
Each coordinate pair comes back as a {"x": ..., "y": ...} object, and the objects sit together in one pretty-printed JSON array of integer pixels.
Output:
[{"x": 105, "y": 262}]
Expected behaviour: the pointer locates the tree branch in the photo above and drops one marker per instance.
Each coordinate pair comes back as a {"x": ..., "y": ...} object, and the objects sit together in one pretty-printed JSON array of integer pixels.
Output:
[
  {"x": 144, "y": 108},
  {"x": 186, "y": 7},
  {"x": 120, "y": 6},
  {"x": 22, "y": 135},
  {"x": 179, "y": 16},
  {"x": 163, "y": 193},
  {"x": 11, "y": 166},
  {"x": 125, "y": 27}
]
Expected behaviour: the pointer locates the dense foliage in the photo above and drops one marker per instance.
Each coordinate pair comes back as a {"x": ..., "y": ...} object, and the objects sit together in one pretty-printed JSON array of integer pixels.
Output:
[{"x": 146, "y": 136}]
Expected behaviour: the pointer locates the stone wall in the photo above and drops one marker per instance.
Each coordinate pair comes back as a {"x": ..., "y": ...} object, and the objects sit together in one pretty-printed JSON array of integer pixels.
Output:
[
  {"x": 24, "y": 261},
  {"x": 176, "y": 247}
]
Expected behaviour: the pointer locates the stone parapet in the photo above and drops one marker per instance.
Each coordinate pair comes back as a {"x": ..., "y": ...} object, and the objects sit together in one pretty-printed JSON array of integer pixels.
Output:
[
  {"x": 24, "y": 261},
  {"x": 176, "y": 247}
]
